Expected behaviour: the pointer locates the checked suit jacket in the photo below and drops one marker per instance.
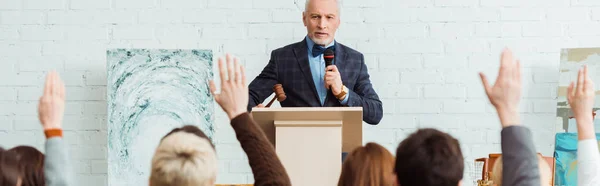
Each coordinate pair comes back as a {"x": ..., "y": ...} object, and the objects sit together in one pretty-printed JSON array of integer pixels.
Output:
[{"x": 289, "y": 66}]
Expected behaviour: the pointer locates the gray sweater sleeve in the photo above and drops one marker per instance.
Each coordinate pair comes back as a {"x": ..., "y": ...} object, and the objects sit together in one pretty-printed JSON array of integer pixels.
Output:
[
  {"x": 57, "y": 169},
  {"x": 519, "y": 157}
]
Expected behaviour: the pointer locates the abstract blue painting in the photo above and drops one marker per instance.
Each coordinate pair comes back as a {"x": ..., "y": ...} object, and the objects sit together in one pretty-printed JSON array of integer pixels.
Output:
[
  {"x": 565, "y": 153},
  {"x": 150, "y": 92}
]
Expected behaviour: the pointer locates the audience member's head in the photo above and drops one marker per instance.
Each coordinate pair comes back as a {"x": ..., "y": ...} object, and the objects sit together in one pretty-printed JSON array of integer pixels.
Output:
[
  {"x": 429, "y": 157},
  {"x": 370, "y": 165},
  {"x": 545, "y": 172},
  {"x": 9, "y": 169},
  {"x": 184, "y": 157},
  {"x": 31, "y": 164}
]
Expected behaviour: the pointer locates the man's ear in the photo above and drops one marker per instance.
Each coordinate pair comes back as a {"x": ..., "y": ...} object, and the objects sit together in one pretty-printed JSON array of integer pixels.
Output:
[{"x": 304, "y": 18}]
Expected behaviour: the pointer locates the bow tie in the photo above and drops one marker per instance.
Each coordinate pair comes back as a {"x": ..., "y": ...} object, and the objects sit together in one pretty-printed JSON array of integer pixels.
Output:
[{"x": 318, "y": 50}]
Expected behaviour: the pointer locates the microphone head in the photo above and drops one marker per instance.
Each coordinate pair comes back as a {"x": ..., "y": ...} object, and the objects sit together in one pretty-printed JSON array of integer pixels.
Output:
[{"x": 328, "y": 55}]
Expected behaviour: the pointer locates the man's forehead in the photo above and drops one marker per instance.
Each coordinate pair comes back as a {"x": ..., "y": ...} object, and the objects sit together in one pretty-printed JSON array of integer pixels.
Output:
[{"x": 322, "y": 7}]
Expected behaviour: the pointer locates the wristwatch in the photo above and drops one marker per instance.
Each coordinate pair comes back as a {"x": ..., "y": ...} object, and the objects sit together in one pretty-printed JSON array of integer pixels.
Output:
[{"x": 342, "y": 94}]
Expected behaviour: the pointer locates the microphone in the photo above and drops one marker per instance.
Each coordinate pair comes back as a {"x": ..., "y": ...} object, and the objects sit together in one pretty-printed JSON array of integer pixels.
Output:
[{"x": 328, "y": 55}]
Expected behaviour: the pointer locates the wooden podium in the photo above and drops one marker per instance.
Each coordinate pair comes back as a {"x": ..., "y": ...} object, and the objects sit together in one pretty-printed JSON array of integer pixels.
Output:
[{"x": 310, "y": 140}]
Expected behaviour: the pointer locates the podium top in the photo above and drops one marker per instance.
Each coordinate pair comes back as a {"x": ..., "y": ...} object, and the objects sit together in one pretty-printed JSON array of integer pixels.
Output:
[{"x": 351, "y": 118}]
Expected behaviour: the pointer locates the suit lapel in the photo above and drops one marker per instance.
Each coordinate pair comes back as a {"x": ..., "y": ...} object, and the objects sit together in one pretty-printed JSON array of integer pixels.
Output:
[{"x": 301, "y": 54}]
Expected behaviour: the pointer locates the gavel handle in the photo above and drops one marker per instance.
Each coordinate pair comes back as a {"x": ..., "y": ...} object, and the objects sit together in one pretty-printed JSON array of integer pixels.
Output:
[{"x": 271, "y": 102}]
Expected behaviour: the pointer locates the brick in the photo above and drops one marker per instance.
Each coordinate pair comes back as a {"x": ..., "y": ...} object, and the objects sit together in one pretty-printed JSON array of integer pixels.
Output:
[
  {"x": 178, "y": 33},
  {"x": 464, "y": 106},
  {"x": 30, "y": 93},
  {"x": 517, "y": 45},
  {"x": 225, "y": 32},
  {"x": 387, "y": 77},
  {"x": 95, "y": 108},
  {"x": 585, "y": 3},
  {"x": 421, "y": 77},
  {"x": 86, "y": 33},
  {"x": 569, "y": 14},
  {"x": 539, "y": 91},
  {"x": 73, "y": 78},
  {"x": 134, "y": 32},
  {"x": 7, "y": 123},
  {"x": 230, "y": 4},
  {"x": 81, "y": 166},
  {"x": 79, "y": 123},
  {"x": 86, "y": 152},
  {"x": 91, "y": 180},
  {"x": 397, "y": 31},
  {"x": 362, "y": 4},
  {"x": 135, "y": 4},
  {"x": 89, "y": 4},
  {"x": 74, "y": 63},
  {"x": 350, "y": 15},
  {"x": 482, "y": 121},
  {"x": 444, "y": 91},
  {"x": 270, "y": 31},
  {"x": 400, "y": 61},
  {"x": 229, "y": 151},
  {"x": 26, "y": 108},
  {"x": 276, "y": 4},
  {"x": 159, "y": 16},
  {"x": 10, "y": 4},
  {"x": 451, "y": 30},
  {"x": 456, "y": 3},
  {"x": 287, "y": 15},
  {"x": 426, "y": 46},
  {"x": 522, "y": 14},
  {"x": 32, "y": 33},
  {"x": 95, "y": 78},
  {"x": 398, "y": 121},
  {"x": 93, "y": 137},
  {"x": 441, "y": 121},
  {"x": 469, "y": 137},
  {"x": 23, "y": 79},
  {"x": 507, "y": 3},
  {"x": 544, "y": 106},
  {"x": 21, "y": 17},
  {"x": 239, "y": 166},
  {"x": 439, "y": 61},
  {"x": 380, "y": 15},
  {"x": 545, "y": 76},
  {"x": 44, "y": 4},
  {"x": 9, "y": 33},
  {"x": 15, "y": 138},
  {"x": 543, "y": 29},
  {"x": 231, "y": 178},
  {"x": 206, "y": 16},
  {"x": 183, "y": 4},
  {"x": 27, "y": 123},
  {"x": 115, "y": 17},
  {"x": 241, "y": 47},
  {"x": 86, "y": 94},
  {"x": 358, "y": 31},
  {"x": 380, "y": 136},
  {"x": 73, "y": 108},
  {"x": 250, "y": 16},
  {"x": 398, "y": 91},
  {"x": 498, "y": 29},
  {"x": 458, "y": 14},
  {"x": 417, "y": 106},
  {"x": 8, "y": 94},
  {"x": 467, "y": 46},
  {"x": 71, "y": 49}
]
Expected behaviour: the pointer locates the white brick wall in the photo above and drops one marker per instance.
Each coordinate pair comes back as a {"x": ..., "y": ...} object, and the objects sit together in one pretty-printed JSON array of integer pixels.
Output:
[{"x": 423, "y": 57}]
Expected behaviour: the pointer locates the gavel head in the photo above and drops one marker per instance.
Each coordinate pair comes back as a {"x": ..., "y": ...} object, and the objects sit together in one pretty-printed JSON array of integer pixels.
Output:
[{"x": 279, "y": 93}]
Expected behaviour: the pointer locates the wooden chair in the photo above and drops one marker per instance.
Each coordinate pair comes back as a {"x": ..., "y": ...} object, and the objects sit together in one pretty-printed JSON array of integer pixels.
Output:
[{"x": 488, "y": 164}]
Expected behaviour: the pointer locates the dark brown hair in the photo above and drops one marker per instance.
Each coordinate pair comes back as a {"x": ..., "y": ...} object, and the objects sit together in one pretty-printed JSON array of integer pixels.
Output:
[
  {"x": 429, "y": 157},
  {"x": 191, "y": 129},
  {"x": 31, "y": 164},
  {"x": 370, "y": 165},
  {"x": 9, "y": 169}
]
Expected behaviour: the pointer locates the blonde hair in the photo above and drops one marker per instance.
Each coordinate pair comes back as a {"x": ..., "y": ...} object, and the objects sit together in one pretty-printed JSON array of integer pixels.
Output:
[
  {"x": 184, "y": 159},
  {"x": 544, "y": 168}
]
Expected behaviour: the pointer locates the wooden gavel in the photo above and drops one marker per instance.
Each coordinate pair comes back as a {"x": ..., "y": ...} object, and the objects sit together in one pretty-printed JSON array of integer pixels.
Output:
[{"x": 279, "y": 94}]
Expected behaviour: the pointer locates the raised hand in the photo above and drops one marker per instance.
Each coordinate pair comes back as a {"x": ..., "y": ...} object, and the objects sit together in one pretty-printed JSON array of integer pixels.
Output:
[
  {"x": 52, "y": 103},
  {"x": 233, "y": 98},
  {"x": 505, "y": 94},
  {"x": 581, "y": 100}
]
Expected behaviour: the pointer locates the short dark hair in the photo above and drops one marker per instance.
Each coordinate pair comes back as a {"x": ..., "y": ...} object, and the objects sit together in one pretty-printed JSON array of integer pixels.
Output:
[
  {"x": 191, "y": 129},
  {"x": 429, "y": 157}
]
